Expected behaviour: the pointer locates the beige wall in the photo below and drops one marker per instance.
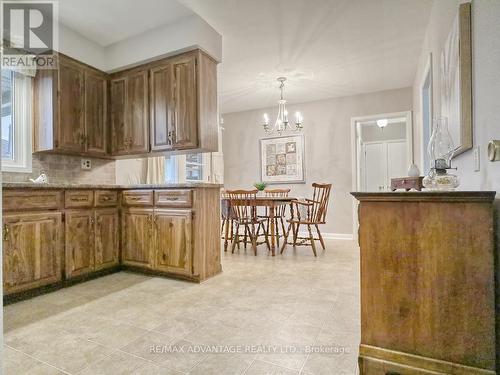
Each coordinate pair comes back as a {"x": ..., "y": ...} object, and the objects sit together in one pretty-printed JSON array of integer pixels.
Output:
[
  {"x": 486, "y": 86},
  {"x": 328, "y": 146},
  {"x": 66, "y": 169}
]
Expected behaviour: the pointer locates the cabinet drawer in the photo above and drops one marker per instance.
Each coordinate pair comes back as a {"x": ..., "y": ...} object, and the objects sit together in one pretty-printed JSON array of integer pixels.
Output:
[
  {"x": 78, "y": 198},
  {"x": 371, "y": 366},
  {"x": 32, "y": 200},
  {"x": 137, "y": 198},
  {"x": 106, "y": 198},
  {"x": 173, "y": 198}
]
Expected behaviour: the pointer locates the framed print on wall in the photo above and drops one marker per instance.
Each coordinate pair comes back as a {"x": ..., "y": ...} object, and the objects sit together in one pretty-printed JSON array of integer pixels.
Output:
[
  {"x": 282, "y": 160},
  {"x": 456, "y": 80}
]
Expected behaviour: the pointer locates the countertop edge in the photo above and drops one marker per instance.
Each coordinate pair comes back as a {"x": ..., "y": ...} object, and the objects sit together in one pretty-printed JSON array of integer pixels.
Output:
[
  {"x": 420, "y": 196},
  {"x": 31, "y": 186}
]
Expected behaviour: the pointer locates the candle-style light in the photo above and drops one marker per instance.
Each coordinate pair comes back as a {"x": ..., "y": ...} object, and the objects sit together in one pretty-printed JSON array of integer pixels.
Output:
[{"x": 282, "y": 123}]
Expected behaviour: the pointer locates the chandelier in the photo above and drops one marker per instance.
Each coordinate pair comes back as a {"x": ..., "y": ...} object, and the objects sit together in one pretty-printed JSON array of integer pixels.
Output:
[{"x": 281, "y": 124}]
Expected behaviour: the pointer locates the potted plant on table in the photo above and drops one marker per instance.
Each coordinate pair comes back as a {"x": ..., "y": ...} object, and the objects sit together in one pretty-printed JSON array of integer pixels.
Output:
[{"x": 260, "y": 186}]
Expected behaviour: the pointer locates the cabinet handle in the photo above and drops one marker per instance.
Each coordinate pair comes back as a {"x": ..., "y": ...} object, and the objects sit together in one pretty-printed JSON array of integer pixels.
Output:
[
  {"x": 135, "y": 198},
  {"x": 76, "y": 199},
  {"x": 6, "y": 232},
  {"x": 172, "y": 198}
]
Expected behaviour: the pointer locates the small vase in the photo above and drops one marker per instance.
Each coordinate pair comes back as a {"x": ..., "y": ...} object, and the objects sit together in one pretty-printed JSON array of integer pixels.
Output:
[{"x": 413, "y": 171}]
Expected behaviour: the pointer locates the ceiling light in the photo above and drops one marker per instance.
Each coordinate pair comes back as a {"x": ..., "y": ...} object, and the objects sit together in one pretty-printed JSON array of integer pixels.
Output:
[
  {"x": 281, "y": 124},
  {"x": 382, "y": 123}
]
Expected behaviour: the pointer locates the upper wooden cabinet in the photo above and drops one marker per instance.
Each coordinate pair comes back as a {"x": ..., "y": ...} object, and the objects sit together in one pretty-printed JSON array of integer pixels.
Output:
[
  {"x": 129, "y": 113},
  {"x": 183, "y": 106},
  {"x": 166, "y": 105},
  {"x": 96, "y": 124},
  {"x": 70, "y": 111}
]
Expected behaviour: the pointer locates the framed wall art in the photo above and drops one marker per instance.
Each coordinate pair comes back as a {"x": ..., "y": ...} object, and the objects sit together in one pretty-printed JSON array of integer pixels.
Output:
[
  {"x": 456, "y": 80},
  {"x": 282, "y": 159}
]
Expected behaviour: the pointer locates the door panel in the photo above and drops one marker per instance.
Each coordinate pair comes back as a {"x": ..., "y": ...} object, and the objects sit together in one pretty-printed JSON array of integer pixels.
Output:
[
  {"x": 32, "y": 247},
  {"x": 95, "y": 113},
  {"x": 71, "y": 127},
  {"x": 374, "y": 167},
  {"x": 107, "y": 228},
  {"x": 80, "y": 242},
  {"x": 137, "y": 232},
  {"x": 173, "y": 241},
  {"x": 137, "y": 112},
  {"x": 396, "y": 160},
  {"x": 118, "y": 102},
  {"x": 185, "y": 103},
  {"x": 161, "y": 94}
]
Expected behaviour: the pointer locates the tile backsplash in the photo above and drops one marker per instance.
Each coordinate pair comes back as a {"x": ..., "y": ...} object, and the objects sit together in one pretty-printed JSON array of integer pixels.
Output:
[{"x": 66, "y": 169}]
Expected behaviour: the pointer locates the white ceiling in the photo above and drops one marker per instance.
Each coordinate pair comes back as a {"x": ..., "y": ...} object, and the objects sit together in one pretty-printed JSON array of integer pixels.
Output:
[
  {"x": 109, "y": 21},
  {"x": 326, "y": 48}
]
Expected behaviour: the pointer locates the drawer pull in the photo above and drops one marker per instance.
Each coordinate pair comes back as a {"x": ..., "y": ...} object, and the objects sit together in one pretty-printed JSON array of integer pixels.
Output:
[
  {"x": 135, "y": 198},
  {"x": 172, "y": 198},
  {"x": 6, "y": 232},
  {"x": 105, "y": 199},
  {"x": 76, "y": 199}
]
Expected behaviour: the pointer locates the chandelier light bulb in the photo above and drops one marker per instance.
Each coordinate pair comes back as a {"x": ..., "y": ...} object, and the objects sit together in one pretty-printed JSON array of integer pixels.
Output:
[{"x": 266, "y": 119}]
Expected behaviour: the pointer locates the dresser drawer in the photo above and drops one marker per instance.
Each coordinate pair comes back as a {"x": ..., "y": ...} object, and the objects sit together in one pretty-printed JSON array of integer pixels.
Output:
[
  {"x": 173, "y": 198},
  {"x": 78, "y": 198},
  {"x": 106, "y": 198},
  {"x": 137, "y": 198},
  {"x": 14, "y": 200},
  {"x": 371, "y": 366}
]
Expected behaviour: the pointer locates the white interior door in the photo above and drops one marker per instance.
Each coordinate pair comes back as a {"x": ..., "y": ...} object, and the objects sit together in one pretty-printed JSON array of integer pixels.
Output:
[
  {"x": 396, "y": 160},
  {"x": 375, "y": 166},
  {"x": 381, "y": 162}
]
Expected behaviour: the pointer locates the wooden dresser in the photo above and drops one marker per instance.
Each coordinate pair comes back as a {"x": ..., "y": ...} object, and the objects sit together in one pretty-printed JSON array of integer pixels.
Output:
[{"x": 427, "y": 283}]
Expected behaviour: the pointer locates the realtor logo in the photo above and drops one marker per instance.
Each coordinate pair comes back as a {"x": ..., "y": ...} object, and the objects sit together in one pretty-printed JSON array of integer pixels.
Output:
[{"x": 29, "y": 34}]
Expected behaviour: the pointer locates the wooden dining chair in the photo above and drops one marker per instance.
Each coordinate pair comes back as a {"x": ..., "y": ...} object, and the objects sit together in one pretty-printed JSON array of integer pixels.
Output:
[
  {"x": 308, "y": 212},
  {"x": 244, "y": 213},
  {"x": 227, "y": 222},
  {"x": 279, "y": 212}
]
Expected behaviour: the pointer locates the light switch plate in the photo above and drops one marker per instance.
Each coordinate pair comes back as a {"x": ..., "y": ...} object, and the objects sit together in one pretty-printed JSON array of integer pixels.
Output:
[
  {"x": 86, "y": 164},
  {"x": 477, "y": 165}
]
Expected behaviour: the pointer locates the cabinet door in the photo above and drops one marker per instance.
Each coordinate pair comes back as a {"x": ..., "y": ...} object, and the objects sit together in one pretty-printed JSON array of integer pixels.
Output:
[
  {"x": 70, "y": 135},
  {"x": 106, "y": 248},
  {"x": 32, "y": 248},
  {"x": 185, "y": 103},
  {"x": 95, "y": 114},
  {"x": 137, "y": 112},
  {"x": 173, "y": 241},
  {"x": 80, "y": 242},
  {"x": 161, "y": 107},
  {"x": 137, "y": 231},
  {"x": 119, "y": 134}
]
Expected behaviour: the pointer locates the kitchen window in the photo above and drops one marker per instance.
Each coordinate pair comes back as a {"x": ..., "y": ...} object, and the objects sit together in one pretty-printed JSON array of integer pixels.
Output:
[
  {"x": 16, "y": 122},
  {"x": 187, "y": 168}
]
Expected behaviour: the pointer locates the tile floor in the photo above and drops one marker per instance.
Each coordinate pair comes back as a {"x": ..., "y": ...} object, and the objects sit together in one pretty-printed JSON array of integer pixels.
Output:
[{"x": 292, "y": 314}]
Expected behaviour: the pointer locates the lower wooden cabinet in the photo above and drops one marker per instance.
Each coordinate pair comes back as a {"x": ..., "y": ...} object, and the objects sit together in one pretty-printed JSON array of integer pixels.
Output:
[
  {"x": 158, "y": 239},
  {"x": 32, "y": 248},
  {"x": 106, "y": 238},
  {"x": 80, "y": 242},
  {"x": 137, "y": 234},
  {"x": 173, "y": 241},
  {"x": 91, "y": 240}
]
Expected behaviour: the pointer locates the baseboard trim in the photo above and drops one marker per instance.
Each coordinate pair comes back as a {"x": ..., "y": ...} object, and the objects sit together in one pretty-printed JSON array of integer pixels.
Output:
[{"x": 330, "y": 236}]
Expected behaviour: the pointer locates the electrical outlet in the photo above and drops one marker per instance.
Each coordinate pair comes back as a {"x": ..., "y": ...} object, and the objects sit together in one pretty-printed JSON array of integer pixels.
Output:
[
  {"x": 477, "y": 165},
  {"x": 86, "y": 164}
]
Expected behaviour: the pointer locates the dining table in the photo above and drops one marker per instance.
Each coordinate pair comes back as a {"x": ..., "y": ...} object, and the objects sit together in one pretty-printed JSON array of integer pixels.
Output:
[{"x": 260, "y": 201}]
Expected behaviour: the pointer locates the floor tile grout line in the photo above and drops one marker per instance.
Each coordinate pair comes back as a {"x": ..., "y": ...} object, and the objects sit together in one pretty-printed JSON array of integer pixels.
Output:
[{"x": 38, "y": 360}]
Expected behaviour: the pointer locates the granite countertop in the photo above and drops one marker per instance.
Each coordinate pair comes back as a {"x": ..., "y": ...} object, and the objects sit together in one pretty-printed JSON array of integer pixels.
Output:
[{"x": 30, "y": 185}]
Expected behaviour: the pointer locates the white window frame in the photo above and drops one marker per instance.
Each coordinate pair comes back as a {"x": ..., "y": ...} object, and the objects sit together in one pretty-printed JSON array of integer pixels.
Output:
[
  {"x": 21, "y": 114},
  {"x": 179, "y": 163}
]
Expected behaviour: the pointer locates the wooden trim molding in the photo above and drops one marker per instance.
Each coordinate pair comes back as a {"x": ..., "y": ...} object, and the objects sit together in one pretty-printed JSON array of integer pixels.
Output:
[
  {"x": 426, "y": 196},
  {"x": 415, "y": 361}
]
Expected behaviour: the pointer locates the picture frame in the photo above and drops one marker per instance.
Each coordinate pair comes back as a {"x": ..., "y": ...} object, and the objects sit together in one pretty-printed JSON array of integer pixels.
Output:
[
  {"x": 282, "y": 159},
  {"x": 456, "y": 80}
]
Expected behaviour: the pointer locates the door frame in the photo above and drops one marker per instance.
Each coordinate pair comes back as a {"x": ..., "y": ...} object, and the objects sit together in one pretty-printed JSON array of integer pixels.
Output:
[{"x": 356, "y": 157}]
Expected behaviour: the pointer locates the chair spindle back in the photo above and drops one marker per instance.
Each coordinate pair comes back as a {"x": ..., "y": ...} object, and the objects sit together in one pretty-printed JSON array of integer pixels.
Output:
[
  {"x": 280, "y": 210},
  {"x": 321, "y": 196},
  {"x": 242, "y": 204}
]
